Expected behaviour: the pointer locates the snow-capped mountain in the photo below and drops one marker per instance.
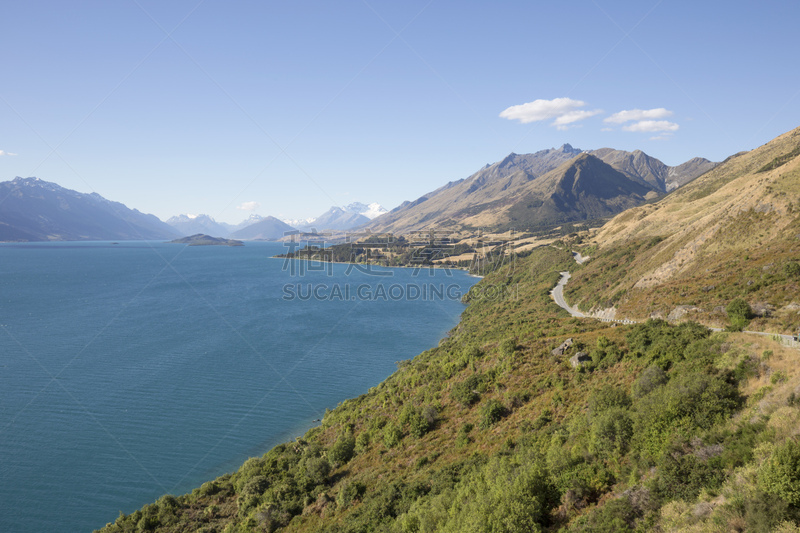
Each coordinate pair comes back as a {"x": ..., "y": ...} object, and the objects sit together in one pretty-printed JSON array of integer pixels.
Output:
[
  {"x": 340, "y": 218},
  {"x": 298, "y": 222},
  {"x": 193, "y": 224},
  {"x": 370, "y": 211}
]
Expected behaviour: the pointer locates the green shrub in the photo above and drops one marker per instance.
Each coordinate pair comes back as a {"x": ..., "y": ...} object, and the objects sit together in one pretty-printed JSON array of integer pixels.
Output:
[
  {"x": 492, "y": 412},
  {"x": 463, "y": 438},
  {"x": 682, "y": 477},
  {"x": 780, "y": 474},
  {"x": 650, "y": 379},
  {"x": 763, "y": 513},
  {"x": 663, "y": 344},
  {"x": 792, "y": 269},
  {"x": 739, "y": 314},
  {"x": 317, "y": 470},
  {"x": 507, "y": 347},
  {"x": 688, "y": 402},
  {"x": 544, "y": 418},
  {"x": 616, "y": 516},
  {"x": 778, "y": 377},
  {"x": 362, "y": 442},
  {"x": 350, "y": 492},
  {"x": 392, "y": 435},
  {"x": 611, "y": 432},
  {"x": 343, "y": 449},
  {"x": 606, "y": 398},
  {"x": 466, "y": 392},
  {"x": 418, "y": 426},
  {"x": 746, "y": 369}
]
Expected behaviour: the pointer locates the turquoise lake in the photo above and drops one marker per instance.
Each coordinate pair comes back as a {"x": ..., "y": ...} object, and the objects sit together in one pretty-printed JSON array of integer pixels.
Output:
[{"x": 133, "y": 370}]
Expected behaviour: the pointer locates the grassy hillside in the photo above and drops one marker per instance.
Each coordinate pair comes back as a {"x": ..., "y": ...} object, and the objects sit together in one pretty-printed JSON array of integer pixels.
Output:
[
  {"x": 732, "y": 233},
  {"x": 662, "y": 426}
]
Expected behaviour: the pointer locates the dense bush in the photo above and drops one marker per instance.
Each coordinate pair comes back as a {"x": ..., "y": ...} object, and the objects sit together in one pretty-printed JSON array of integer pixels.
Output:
[
  {"x": 684, "y": 476},
  {"x": 611, "y": 432},
  {"x": 658, "y": 342},
  {"x": 492, "y": 412},
  {"x": 650, "y": 379},
  {"x": 392, "y": 435},
  {"x": 780, "y": 474},
  {"x": 686, "y": 403},
  {"x": 350, "y": 492},
  {"x": 792, "y": 269},
  {"x": 466, "y": 392},
  {"x": 343, "y": 449},
  {"x": 606, "y": 398},
  {"x": 739, "y": 313}
]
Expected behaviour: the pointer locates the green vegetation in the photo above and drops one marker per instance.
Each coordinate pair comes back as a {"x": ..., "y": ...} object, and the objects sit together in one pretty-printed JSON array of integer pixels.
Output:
[
  {"x": 669, "y": 427},
  {"x": 739, "y": 313},
  {"x": 760, "y": 271},
  {"x": 200, "y": 239},
  {"x": 421, "y": 251}
]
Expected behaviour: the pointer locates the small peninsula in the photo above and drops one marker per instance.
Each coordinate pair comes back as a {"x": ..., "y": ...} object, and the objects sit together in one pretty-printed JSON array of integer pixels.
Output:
[{"x": 201, "y": 239}]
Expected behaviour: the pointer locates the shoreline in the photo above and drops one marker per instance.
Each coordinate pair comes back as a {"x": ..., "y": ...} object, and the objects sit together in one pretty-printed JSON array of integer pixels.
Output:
[
  {"x": 422, "y": 267},
  {"x": 303, "y": 427}
]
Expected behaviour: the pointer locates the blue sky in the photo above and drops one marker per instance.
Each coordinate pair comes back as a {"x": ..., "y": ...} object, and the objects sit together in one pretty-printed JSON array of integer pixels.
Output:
[{"x": 209, "y": 106}]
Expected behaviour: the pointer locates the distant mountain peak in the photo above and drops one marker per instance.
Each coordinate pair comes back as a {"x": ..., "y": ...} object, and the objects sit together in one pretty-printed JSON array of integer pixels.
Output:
[
  {"x": 189, "y": 224},
  {"x": 567, "y": 148},
  {"x": 370, "y": 211}
]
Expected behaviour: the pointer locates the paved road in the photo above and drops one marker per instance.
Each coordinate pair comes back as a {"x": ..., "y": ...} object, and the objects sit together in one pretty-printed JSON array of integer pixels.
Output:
[
  {"x": 558, "y": 295},
  {"x": 579, "y": 258}
]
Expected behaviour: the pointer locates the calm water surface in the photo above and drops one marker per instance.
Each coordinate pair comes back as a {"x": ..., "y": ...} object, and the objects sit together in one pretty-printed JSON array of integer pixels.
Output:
[{"x": 132, "y": 370}]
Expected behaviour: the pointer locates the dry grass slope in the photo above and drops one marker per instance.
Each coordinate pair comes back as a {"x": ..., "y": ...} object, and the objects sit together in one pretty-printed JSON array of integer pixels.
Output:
[{"x": 729, "y": 233}]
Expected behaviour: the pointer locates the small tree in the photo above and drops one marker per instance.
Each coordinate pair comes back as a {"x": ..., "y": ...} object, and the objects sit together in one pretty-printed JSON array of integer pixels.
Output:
[
  {"x": 491, "y": 413},
  {"x": 739, "y": 313},
  {"x": 343, "y": 449},
  {"x": 391, "y": 435}
]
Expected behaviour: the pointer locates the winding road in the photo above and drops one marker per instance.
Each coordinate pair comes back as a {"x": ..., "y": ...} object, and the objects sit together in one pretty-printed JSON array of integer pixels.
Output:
[{"x": 558, "y": 295}]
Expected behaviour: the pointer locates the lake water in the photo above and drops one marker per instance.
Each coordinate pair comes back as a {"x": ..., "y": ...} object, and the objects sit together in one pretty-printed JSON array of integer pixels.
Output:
[{"x": 132, "y": 370}]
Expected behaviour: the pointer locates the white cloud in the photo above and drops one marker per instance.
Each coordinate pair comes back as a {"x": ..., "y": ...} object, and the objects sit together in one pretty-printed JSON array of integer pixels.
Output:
[
  {"x": 3, "y": 152},
  {"x": 248, "y": 206},
  {"x": 638, "y": 114},
  {"x": 565, "y": 111},
  {"x": 651, "y": 126},
  {"x": 564, "y": 120}
]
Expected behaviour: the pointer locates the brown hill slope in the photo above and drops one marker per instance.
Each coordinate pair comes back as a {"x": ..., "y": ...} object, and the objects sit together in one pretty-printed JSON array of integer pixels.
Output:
[
  {"x": 584, "y": 188},
  {"x": 731, "y": 233},
  {"x": 639, "y": 166},
  {"x": 505, "y": 195}
]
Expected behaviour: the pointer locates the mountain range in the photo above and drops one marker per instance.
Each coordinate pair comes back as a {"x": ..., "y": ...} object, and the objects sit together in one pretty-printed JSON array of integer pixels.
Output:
[
  {"x": 194, "y": 224},
  {"x": 336, "y": 218},
  {"x": 35, "y": 210},
  {"x": 522, "y": 191},
  {"x": 527, "y": 191}
]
